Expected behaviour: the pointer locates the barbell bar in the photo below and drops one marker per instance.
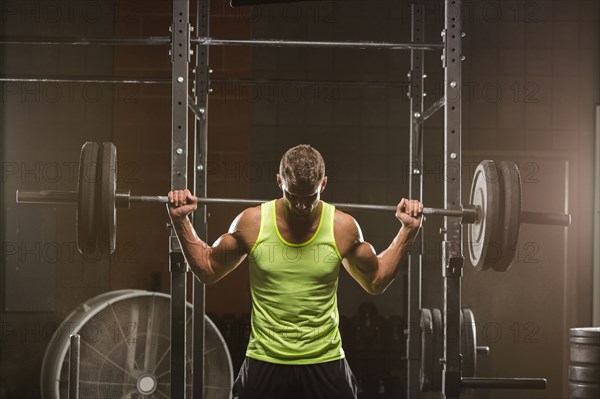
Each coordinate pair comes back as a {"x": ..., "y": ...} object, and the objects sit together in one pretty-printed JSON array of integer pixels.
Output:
[
  {"x": 493, "y": 214},
  {"x": 124, "y": 198}
]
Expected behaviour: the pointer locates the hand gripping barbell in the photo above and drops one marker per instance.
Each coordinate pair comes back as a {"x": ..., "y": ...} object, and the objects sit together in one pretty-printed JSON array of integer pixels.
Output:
[{"x": 493, "y": 215}]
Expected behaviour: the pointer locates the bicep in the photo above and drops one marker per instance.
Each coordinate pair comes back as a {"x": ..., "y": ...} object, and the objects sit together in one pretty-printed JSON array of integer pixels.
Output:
[
  {"x": 362, "y": 264},
  {"x": 359, "y": 257},
  {"x": 228, "y": 250},
  {"x": 232, "y": 246}
]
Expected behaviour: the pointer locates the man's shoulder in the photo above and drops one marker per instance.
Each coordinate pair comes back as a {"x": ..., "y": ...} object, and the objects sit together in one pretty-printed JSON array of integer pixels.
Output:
[
  {"x": 347, "y": 232},
  {"x": 246, "y": 226},
  {"x": 344, "y": 221},
  {"x": 249, "y": 217}
]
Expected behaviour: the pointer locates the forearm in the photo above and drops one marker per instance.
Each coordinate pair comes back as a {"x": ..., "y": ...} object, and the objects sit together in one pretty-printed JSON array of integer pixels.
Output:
[
  {"x": 395, "y": 257},
  {"x": 197, "y": 253}
]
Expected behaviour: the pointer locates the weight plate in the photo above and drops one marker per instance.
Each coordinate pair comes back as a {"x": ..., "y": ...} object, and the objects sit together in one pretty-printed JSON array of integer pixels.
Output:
[
  {"x": 468, "y": 343},
  {"x": 589, "y": 372},
  {"x": 482, "y": 235},
  {"x": 107, "y": 211},
  {"x": 86, "y": 215},
  {"x": 427, "y": 344},
  {"x": 438, "y": 349},
  {"x": 511, "y": 200}
]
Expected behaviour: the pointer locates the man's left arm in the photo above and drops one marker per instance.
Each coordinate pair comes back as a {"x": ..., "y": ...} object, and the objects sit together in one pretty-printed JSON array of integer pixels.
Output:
[{"x": 375, "y": 272}]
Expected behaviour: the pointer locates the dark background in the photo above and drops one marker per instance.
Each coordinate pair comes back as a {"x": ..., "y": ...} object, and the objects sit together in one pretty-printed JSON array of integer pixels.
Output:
[{"x": 530, "y": 84}]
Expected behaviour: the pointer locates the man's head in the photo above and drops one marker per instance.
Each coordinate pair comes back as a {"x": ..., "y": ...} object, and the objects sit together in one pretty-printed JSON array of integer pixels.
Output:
[
  {"x": 302, "y": 165},
  {"x": 302, "y": 178}
]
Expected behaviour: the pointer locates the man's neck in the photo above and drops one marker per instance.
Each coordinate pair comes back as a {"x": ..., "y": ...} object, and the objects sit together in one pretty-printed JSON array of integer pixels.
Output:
[{"x": 300, "y": 223}]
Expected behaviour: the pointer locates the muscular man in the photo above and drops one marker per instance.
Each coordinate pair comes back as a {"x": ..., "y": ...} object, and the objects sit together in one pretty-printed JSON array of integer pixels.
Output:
[{"x": 295, "y": 245}]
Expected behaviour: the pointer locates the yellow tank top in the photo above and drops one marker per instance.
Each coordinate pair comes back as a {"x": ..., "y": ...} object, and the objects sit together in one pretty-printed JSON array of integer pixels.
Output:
[{"x": 295, "y": 316}]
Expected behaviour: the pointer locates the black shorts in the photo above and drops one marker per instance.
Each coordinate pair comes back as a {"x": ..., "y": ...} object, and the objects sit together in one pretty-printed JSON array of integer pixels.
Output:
[{"x": 262, "y": 380}]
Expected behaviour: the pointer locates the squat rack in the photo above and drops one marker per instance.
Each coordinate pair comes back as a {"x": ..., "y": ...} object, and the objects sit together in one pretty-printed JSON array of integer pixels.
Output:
[
  {"x": 181, "y": 42},
  {"x": 416, "y": 94}
]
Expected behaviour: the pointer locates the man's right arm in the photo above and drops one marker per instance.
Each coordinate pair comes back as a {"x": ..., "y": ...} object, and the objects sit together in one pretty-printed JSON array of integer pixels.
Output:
[{"x": 210, "y": 263}]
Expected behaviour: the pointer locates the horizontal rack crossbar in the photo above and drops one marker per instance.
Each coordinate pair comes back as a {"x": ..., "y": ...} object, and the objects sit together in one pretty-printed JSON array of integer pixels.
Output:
[
  {"x": 207, "y": 41},
  {"x": 221, "y": 81},
  {"x": 87, "y": 79},
  {"x": 89, "y": 41},
  {"x": 325, "y": 83}
]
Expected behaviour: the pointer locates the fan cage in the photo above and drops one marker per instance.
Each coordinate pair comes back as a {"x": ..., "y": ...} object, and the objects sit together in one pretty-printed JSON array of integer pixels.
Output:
[{"x": 125, "y": 346}]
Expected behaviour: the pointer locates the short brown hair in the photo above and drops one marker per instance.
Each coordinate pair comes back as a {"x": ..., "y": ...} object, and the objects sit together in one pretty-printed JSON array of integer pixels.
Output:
[{"x": 302, "y": 164}]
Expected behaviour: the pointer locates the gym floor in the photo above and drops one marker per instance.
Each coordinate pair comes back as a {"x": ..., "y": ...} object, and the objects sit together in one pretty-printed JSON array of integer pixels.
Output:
[{"x": 531, "y": 83}]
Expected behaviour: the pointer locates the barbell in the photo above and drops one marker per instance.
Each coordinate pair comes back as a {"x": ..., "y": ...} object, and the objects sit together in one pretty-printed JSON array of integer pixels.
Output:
[{"x": 493, "y": 214}]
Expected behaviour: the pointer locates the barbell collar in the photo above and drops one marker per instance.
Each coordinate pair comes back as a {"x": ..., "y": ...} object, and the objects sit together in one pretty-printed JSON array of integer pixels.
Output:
[
  {"x": 122, "y": 198},
  {"x": 504, "y": 383},
  {"x": 470, "y": 214},
  {"x": 552, "y": 219},
  {"x": 483, "y": 350}
]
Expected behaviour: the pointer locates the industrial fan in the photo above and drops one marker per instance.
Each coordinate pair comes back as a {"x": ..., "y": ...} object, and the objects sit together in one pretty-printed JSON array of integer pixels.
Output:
[{"x": 125, "y": 347}]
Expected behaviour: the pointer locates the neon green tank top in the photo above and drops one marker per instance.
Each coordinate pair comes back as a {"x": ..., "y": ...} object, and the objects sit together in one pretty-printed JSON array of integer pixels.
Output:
[{"x": 294, "y": 294}]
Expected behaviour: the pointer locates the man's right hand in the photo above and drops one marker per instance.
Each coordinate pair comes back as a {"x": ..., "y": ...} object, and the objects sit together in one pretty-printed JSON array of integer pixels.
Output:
[{"x": 181, "y": 203}]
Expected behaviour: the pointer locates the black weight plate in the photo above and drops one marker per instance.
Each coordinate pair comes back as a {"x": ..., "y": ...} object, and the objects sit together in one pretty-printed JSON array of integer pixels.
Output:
[
  {"x": 468, "y": 343},
  {"x": 438, "y": 349},
  {"x": 427, "y": 344},
  {"x": 86, "y": 209},
  {"x": 511, "y": 200},
  {"x": 105, "y": 191},
  {"x": 483, "y": 235}
]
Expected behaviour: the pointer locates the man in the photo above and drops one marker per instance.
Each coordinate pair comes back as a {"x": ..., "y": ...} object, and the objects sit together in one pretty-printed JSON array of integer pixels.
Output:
[{"x": 295, "y": 245}]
